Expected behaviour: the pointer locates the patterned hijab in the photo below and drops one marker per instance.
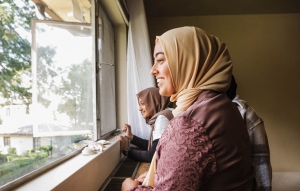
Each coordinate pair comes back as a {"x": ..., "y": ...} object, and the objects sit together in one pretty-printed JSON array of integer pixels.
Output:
[
  {"x": 156, "y": 105},
  {"x": 197, "y": 61}
]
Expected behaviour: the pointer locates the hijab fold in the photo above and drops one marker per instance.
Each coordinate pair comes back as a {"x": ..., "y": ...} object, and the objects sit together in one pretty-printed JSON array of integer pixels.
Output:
[{"x": 197, "y": 61}]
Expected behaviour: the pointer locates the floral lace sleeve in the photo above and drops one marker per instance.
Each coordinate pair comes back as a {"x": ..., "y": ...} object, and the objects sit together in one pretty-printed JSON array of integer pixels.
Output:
[{"x": 185, "y": 158}]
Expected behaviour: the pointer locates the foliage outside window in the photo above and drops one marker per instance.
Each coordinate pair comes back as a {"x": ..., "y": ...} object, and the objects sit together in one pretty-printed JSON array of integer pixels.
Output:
[{"x": 48, "y": 85}]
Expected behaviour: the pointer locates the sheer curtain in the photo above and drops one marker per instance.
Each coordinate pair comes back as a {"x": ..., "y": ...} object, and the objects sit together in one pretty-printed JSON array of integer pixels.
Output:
[{"x": 139, "y": 63}]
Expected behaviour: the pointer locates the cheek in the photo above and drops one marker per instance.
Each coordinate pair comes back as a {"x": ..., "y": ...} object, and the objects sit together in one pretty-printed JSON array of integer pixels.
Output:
[
  {"x": 169, "y": 80},
  {"x": 171, "y": 89},
  {"x": 165, "y": 70},
  {"x": 146, "y": 114},
  {"x": 144, "y": 108}
]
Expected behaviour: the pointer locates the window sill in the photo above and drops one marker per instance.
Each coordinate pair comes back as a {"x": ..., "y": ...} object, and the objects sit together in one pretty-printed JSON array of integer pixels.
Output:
[{"x": 80, "y": 172}]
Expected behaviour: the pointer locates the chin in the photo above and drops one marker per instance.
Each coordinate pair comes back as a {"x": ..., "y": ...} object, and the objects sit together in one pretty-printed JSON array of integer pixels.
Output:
[{"x": 164, "y": 92}]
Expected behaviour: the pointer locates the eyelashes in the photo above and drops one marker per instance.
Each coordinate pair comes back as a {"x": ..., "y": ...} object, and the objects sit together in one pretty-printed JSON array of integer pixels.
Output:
[{"x": 159, "y": 61}]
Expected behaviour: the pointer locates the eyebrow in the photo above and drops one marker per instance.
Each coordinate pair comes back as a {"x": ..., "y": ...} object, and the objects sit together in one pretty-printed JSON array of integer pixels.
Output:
[{"x": 158, "y": 54}]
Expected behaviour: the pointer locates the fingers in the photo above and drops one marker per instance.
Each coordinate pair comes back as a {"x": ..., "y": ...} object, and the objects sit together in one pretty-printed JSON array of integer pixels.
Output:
[
  {"x": 129, "y": 183},
  {"x": 126, "y": 128},
  {"x": 144, "y": 174},
  {"x": 123, "y": 142},
  {"x": 142, "y": 177},
  {"x": 120, "y": 138}
]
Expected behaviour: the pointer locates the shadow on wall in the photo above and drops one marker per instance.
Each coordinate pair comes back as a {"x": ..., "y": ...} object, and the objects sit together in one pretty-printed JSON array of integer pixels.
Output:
[{"x": 286, "y": 181}]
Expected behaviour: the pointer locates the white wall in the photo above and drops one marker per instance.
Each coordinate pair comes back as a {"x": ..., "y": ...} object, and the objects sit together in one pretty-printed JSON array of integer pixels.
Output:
[
  {"x": 21, "y": 143},
  {"x": 1, "y": 142}
]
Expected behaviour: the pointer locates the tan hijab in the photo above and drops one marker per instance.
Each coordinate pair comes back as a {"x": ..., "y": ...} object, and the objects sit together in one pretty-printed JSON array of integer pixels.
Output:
[{"x": 197, "y": 61}]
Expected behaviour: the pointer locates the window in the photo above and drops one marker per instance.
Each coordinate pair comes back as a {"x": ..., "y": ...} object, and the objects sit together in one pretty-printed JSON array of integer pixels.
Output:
[
  {"x": 7, "y": 141},
  {"x": 58, "y": 81},
  {"x": 63, "y": 84},
  {"x": 36, "y": 143},
  {"x": 106, "y": 75}
]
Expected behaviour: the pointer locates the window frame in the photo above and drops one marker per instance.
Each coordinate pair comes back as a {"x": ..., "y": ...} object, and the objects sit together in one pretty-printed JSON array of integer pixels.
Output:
[{"x": 65, "y": 158}]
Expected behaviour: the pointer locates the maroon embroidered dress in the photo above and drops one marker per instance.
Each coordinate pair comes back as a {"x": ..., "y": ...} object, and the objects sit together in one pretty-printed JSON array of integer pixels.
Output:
[
  {"x": 206, "y": 145},
  {"x": 205, "y": 148}
]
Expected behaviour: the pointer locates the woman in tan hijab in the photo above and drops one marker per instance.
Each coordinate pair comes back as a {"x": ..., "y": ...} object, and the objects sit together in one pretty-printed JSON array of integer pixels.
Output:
[
  {"x": 206, "y": 145},
  {"x": 157, "y": 112}
]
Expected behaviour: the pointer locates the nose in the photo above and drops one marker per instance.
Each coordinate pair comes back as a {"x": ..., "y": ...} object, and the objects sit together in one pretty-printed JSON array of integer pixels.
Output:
[{"x": 153, "y": 70}]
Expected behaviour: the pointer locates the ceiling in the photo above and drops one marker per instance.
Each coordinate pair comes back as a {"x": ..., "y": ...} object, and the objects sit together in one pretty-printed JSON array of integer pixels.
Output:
[
  {"x": 66, "y": 10},
  {"x": 173, "y": 8},
  {"x": 73, "y": 10}
]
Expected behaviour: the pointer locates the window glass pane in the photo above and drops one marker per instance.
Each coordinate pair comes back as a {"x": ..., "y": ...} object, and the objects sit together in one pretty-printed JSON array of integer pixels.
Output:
[
  {"x": 106, "y": 75},
  {"x": 107, "y": 88},
  {"x": 63, "y": 83},
  {"x": 46, "y": 116}
]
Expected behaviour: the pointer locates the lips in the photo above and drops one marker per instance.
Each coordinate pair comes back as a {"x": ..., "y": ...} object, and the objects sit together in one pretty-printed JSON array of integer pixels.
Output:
[{"x": 158, "y": 81}]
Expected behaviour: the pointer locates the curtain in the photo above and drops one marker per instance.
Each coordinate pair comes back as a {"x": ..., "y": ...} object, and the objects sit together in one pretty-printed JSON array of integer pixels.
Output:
[{"x": 139, "y": 64}]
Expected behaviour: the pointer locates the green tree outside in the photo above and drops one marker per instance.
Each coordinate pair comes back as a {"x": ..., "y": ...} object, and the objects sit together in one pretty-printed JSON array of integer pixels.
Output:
[{"x": 15, "y": 52}]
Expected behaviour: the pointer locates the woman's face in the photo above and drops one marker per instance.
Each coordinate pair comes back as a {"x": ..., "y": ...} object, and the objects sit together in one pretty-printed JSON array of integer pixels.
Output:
[
  {"x": 161, "y": 71},
  {"x": 143, "y": 109}
]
